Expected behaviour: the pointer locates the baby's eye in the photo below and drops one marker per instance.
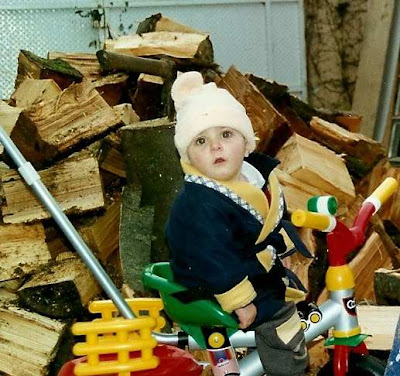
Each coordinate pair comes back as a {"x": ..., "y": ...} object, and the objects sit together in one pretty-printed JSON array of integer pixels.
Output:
[
  {"x": 200, "y": 141},
  {"x": 226, "y": 134}
]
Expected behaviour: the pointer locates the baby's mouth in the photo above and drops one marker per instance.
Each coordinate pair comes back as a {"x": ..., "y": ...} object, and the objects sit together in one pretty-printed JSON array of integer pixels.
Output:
[{"x": 219, "y": 160}]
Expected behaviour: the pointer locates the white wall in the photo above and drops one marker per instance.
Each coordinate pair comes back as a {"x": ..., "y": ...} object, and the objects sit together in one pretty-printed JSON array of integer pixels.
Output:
[{"x": 265, "y": 38}]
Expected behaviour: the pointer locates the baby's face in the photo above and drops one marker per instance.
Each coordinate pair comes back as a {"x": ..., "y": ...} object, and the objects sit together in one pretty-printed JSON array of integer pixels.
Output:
[{"x": 218, "y": 153}]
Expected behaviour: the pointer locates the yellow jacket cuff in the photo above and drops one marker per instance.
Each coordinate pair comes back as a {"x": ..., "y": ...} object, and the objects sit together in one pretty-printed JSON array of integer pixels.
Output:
[{"x": 238, "y": 296}]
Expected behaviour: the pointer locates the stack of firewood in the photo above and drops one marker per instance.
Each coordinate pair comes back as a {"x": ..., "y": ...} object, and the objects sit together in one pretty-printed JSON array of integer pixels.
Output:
[{"x": 104, "y": 149}]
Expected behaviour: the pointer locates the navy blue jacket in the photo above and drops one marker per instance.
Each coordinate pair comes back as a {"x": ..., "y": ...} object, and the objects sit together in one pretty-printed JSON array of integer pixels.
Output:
[{"x": 212, "y": 243}]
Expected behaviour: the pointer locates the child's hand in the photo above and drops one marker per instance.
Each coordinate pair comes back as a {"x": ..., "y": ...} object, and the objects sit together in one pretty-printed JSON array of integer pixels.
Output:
[{"x": 246, "y": 315}]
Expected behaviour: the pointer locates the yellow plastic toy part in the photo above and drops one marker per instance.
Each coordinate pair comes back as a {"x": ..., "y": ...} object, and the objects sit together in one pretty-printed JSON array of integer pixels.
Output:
[
  {"x": 339, "y": 277},
  {"x": 317, "y": 221},
  {"x": 216, "y": 340},
  {"x": 115, "y": 335},
  {"x": 385, "y": 189},
  {"x": 118, "y": 343},
  {"x": 140, "y": 307}
]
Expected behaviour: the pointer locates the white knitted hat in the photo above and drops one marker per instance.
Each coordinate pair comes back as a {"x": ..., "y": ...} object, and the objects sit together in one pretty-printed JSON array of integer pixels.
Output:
[{"x": 201, "y": 106}]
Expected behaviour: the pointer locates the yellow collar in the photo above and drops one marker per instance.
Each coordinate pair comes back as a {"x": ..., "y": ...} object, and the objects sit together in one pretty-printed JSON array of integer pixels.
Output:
[
  {"x": 248, "y": 192},
  {"x": 252, "y": 195}
]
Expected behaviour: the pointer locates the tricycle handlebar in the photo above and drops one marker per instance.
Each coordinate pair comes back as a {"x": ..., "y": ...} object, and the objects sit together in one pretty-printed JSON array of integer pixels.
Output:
[
  {"x": 316, "y": 221},
  {"x": 383, "y": 192}
]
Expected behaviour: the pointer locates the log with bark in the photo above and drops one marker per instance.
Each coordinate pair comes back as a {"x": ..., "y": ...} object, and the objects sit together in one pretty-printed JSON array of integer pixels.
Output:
[
  {"x": 86, "y": 63},
  {"x": 387, "y": 286},
  {"x": 269, "y": 125},
  {"x": 153, "y": 163},
  {"x": 136, "y": 235},
  {"x": 147, "y": 98},
  {"x": 33, "y": 66},
  {"x": 361, "y": 153},
  {"x": 53, "y": 128},
  {"x": 60, "y": 290},
  {"x": 110, "y": 87},
  {"x": 75, "y": 184},
  {"x": 293, "y": 107},
  {"x": 194, "y": 48},
  {"x": 157, "y": 22}
]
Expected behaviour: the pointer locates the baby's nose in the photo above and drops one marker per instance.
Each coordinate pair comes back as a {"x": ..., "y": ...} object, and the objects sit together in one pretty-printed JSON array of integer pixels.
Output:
[{"x": 216, "y": 145}]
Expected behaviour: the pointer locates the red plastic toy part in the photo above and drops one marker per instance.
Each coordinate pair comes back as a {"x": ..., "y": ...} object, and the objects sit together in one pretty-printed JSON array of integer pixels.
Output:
[{"x": 173, "y": 361}]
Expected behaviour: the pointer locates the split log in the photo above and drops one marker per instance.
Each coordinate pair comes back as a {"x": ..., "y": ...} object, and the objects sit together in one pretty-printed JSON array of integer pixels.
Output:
[
  {"x": 350, "y": 121},
  {"x": 380, "y": 322},
  {"x": 157, "y": 22},
  {"x": 370, "y": 258},
  {"x": 75, "y": 184},
  {"x": 318, "y": 354},
  {"x": 23, "y": 250},
  {"x": 53, "y": 128},
  {"x": 56, "y": 241},
  {"x": 126, "y": 113},
  {"x": 32, "y": 91},
  {"x": 387, "y": 286},
  {"x": 194, "y": 47},
  {"x": 152, "y": 162},
  {"x": 111, "y": 158},
  {"x": 8, "y": 117},
  {"x": 147, "y": 99},
  {"x": 85, "y": 63},
  {"x": 296, "y": 192},
  {"x": 165, "y": 68},
  {"x": 314, "y": 164},
  {"x": 112, "y": 87},
  {"x": 391, "y": 248},
  {"x": 33, "y": 66},
  {"x": 269, "y": 125},
  {"x": 390, "y": 211},
  {"x": 61, "y": 290},
  {"x": 287, "y": 104},
  {"x": 348, "y": 213},
  {"x": 8, "y": 292},
  {"x": 103, "y": 236},
  {"x": 136, "y": 230},
  {"x": 28, "y": 342},
  {"x": 362, "y": 153}
]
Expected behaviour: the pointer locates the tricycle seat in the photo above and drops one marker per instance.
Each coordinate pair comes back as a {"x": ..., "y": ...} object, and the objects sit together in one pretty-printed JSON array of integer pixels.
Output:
[{"x": 191, "y": 316}]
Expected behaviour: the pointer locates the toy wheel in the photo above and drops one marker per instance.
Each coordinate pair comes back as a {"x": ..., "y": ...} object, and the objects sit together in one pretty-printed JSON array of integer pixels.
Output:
[{"x": 359, "y": 365}]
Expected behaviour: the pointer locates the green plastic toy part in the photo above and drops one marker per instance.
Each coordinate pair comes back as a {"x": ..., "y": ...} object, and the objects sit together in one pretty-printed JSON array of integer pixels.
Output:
[
  {"x": 353, "y": 341},
  {"x": 192, "y": 316}
]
